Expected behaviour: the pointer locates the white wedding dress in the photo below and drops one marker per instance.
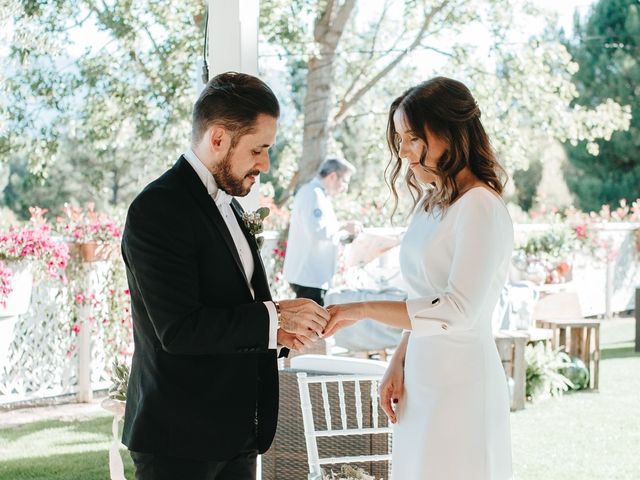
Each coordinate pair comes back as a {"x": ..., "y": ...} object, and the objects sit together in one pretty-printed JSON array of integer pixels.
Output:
[{"x": 453, "y": 421}]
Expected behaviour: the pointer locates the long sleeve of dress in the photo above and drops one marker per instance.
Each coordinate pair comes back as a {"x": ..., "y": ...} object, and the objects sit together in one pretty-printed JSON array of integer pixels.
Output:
[{"x": 480, "y": 237}]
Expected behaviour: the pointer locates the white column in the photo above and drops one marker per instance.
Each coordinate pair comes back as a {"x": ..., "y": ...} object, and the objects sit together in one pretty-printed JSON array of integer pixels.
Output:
[
  {"x": 85, "y": 390},
  {"x": 233, "y": 46}
]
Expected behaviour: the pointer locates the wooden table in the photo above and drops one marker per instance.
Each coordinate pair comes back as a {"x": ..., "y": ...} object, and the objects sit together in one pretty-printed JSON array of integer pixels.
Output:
[
  {"x": 580, "y": 338},
  {"x": 511, "y": 345}
]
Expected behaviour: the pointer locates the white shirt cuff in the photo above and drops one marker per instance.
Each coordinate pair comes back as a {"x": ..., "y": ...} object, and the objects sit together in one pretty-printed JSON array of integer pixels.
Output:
[{"x": 273, "y": 325}]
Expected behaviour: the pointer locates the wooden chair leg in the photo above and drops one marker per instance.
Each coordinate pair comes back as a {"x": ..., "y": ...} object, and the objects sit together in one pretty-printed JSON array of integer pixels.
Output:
[
  {"x": 588, "y": 353},
  {"x": 576, "y": 343},
  {"x": 562, "y": 337},
  {"x": 519, "y": 374},
  {"x": 596, "y": 359}
]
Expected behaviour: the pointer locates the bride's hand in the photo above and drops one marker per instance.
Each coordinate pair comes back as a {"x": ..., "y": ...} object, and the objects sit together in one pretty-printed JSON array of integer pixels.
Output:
[
  {"x": 392, "y": 388},
  {"x": 342, "y": 316}
]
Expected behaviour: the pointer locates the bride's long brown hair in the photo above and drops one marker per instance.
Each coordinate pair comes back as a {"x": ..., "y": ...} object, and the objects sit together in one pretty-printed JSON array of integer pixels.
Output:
[{"x": 448, "y": 109}]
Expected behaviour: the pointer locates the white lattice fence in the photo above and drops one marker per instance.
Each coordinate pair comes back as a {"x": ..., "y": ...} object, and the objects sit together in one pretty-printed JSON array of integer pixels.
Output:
[{"x": 42, "y": 358}]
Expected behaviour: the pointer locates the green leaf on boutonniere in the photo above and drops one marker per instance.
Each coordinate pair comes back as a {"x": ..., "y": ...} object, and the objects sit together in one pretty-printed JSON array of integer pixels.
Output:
[{"x": 263, "y": 212}]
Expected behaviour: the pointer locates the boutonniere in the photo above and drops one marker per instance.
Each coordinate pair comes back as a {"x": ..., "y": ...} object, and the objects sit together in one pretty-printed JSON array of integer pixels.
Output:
[{"x": 254, "y": 223}]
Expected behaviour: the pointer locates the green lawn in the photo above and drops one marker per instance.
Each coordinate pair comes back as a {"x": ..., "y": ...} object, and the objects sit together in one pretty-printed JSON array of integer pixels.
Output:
[
  {"x": 585, "y": 436},
  {"x": 58, "y": 450}
]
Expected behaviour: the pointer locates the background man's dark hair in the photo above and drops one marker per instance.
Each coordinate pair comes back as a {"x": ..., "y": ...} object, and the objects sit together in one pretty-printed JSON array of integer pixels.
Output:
[
  {"x": 331, "y": 165},
  {"x": 234, "y": 101}
]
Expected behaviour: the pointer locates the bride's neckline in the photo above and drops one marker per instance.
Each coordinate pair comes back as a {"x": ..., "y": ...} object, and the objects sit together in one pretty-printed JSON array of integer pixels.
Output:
[
  {"x": 475, "y": 187},
  {"x": 488, "y": 189}
]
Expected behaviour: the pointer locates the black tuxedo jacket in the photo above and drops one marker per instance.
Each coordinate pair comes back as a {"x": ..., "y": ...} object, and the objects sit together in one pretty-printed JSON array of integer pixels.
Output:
[{"x": 201, "y": 373}]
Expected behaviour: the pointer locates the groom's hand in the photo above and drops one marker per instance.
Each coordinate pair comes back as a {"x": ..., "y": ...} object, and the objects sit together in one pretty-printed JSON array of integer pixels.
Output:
[
  {"x": 292, "y": 341},
  {"x": 303, "y": 317}
]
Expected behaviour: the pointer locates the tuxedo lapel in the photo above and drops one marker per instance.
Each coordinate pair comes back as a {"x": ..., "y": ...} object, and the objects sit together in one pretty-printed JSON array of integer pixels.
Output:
[
  {"x": 259, "y": 280},
  {"x": 195, "y": 187}
]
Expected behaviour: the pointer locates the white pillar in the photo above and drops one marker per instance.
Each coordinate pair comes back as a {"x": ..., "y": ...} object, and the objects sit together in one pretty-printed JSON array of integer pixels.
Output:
[
  {"x": 85, "y": 390},
  {"x": 233, "y": 46}
]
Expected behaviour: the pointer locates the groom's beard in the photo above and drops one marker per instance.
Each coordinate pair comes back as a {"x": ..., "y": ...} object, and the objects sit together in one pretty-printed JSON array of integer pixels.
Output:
[{"x": 227, "y": 181}]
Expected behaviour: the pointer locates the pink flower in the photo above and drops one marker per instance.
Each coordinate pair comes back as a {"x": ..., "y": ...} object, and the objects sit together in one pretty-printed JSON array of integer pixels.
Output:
[
  {"x": 581, "y": 231},
  {"x": 75, "y": 328},
  {"x": 79, "y": 298}
]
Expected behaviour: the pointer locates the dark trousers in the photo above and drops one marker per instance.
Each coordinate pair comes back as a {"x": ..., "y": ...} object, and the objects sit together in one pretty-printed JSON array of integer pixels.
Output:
[
  {"x": 315, "y": 294},
  {"x": 150, "y": 466}
]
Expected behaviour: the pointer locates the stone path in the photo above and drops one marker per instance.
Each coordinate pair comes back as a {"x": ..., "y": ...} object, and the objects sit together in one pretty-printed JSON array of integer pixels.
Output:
[{"x": 66, "y": 412}]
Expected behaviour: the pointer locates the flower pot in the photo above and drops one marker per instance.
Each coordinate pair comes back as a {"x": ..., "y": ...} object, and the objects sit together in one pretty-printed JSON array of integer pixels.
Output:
[
  {"x": 96, "y": 252},
  {"x": 19, "y": 299},
  {"x": 88, "y": 252},
  {"x": 17, "y": 303}
]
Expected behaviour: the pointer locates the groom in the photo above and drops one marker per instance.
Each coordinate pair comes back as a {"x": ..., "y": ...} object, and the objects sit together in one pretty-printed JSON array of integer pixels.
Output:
[{"x": 203, "y": 391}]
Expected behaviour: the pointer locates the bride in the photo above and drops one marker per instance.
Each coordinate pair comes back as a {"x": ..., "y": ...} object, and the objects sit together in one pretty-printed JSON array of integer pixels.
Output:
[{"x": 445, "y": 389}]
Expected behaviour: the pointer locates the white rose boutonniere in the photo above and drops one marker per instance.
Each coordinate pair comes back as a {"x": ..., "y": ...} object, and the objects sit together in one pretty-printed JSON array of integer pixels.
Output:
[{"x": 253, "y": 222}]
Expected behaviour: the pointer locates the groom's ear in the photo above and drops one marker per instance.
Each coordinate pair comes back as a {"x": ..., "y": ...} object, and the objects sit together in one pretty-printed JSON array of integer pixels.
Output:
[{"x": 219, "y": 139}]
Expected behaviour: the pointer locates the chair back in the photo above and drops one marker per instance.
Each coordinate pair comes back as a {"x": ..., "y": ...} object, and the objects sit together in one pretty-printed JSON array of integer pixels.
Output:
[{"x": 344, "y": 425}]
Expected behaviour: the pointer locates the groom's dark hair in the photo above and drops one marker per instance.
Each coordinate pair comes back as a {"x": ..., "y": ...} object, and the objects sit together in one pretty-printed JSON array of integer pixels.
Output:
[{"x": 233, "y": 100}]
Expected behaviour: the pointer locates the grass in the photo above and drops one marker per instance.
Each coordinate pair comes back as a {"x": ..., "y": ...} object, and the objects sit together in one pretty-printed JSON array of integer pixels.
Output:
[
  {"x": 58, "y": 450},
  {"x": 584, "y": 435}
]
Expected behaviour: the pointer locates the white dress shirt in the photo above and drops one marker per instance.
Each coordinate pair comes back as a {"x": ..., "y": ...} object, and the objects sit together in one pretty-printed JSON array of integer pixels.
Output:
[
  {"x": 314, "y": 238},
  {"x": 223, "y": 202}
]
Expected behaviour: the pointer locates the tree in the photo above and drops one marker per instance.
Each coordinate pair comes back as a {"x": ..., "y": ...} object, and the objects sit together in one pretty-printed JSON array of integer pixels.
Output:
[
  {"x": 122, "y": 106},
  {"x": 330, "y": 20},
  {"x": 524, "y": 88},
  {"x": 526, "y": 183},
  {"x": 607, "y": 48}
]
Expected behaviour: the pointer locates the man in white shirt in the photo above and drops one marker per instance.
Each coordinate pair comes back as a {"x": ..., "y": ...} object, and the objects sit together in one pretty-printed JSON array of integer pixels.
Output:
[{"x": 315, "y": 234}]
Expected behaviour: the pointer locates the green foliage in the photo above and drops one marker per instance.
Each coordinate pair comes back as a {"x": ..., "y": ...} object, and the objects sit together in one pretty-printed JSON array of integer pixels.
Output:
[
  {"x": 116, "y": 113},
  {"x": 555, "y": 243},
  {"x": 607, "y": 47},
  {"x": 525, "y": 90},
  {"x": 95, "y": 122},
  {"x": 119, "y": 381},
  {"x": 348, "y": 472},
  {"x": 543, "y": 371},
  {"x": 526, "y": 182},
  {"x": 577, "y": 373}
]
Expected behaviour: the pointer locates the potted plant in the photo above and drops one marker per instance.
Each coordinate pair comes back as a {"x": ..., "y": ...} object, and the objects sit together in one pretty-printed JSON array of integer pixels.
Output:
[
  {"x": 28, "y": 252},
  {"x": 94, "y": 233},
  {"x": 547, "y": 257},
  {"x": 544, "y": 367}
]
